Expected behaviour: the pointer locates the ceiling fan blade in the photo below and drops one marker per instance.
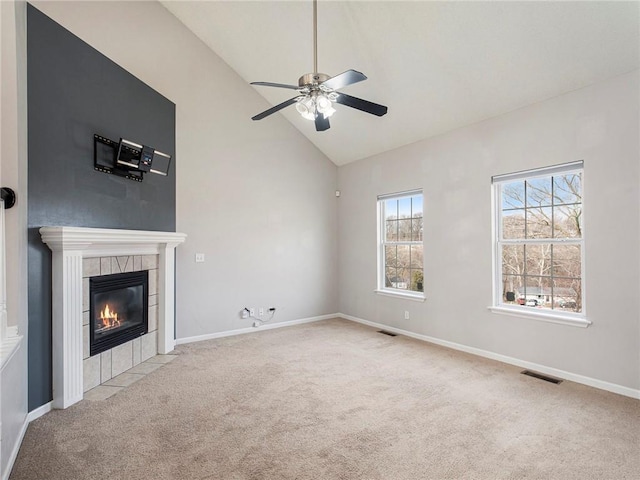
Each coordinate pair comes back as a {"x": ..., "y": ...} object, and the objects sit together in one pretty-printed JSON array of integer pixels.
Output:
[
  {"x": 342, "y": 80},
  {"x": 279, "y": 85},
  {"x": 359, "y": 104},
  {"x": 322, "y": 123},
  {"x": 268, "y": 112}
]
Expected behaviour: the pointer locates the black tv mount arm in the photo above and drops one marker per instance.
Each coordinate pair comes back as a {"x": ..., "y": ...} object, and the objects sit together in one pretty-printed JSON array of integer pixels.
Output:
[{"x": 128, "y": 159}]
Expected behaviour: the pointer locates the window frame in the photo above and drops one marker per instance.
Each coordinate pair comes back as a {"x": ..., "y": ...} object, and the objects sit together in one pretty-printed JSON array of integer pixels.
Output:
[
  {"x": 551, "y": 315},
  {"x": 381, "y": 288}
]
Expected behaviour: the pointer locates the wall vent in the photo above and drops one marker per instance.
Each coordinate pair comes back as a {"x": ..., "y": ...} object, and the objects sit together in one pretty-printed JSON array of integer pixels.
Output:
[
  {"x": 384, "y": 332},
  {"x": 541, "y": 376}
]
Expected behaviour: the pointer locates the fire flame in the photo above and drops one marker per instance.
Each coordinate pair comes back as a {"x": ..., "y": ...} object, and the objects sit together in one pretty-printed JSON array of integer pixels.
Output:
[{"x": 109, "y": 318}]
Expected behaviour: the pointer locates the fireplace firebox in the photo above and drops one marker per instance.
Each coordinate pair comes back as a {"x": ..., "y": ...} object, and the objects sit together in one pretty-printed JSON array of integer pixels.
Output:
[{"x": 118, "y": 310}]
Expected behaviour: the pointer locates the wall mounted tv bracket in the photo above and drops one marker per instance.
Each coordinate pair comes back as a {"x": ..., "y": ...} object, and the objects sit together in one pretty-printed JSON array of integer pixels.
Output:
[{"x": 128, "y": 159}]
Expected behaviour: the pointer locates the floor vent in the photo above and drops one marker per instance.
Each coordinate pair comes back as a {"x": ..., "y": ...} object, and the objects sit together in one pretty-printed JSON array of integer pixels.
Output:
[
  {"x": 541, "y": 377},
  {"x": 384, "y": 332}
]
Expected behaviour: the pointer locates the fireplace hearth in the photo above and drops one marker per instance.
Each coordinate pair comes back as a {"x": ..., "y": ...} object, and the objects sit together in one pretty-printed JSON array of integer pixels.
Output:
[{"x": 118, "y": 309}]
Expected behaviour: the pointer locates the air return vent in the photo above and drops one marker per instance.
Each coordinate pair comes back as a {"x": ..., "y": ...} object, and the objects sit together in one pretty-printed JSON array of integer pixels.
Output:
[
  {"x": 541, "y": 376},
  {"x": 384, "y": 332}
]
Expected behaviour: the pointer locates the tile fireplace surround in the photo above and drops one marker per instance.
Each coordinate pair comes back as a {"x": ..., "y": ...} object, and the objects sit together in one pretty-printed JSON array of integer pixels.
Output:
[{"x": 70, "y": 245}]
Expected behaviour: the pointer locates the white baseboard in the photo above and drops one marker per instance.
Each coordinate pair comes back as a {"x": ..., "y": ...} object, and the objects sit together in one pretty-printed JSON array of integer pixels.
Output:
[
  {"x": 592, "y": 382},
  {"x": 40, "y": 411},
  {"x": 265, "y": 326}
]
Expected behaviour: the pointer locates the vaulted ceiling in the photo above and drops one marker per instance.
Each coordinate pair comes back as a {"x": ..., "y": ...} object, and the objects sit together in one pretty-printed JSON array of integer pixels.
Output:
[{"x": 436, "y": 65}]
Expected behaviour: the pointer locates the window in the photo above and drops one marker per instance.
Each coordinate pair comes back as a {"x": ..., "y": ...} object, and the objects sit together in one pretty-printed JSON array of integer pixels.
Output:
[
  {"x": 400, "y": 264},
  {"x": 539, "y": 240}
]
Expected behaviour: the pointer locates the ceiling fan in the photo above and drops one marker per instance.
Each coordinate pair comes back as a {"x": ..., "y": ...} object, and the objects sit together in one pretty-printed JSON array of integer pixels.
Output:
[{"x": 318, "y": 91}]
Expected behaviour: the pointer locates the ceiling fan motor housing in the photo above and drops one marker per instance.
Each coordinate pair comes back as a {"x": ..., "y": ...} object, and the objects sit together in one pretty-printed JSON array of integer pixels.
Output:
[{"x": 312, "y": 79}]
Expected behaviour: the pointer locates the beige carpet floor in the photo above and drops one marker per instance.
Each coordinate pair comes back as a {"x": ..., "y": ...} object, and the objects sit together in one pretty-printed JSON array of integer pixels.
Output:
[{"x": 336, "y": 400}]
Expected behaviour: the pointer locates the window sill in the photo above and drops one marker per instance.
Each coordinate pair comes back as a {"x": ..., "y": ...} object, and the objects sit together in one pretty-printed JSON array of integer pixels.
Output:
[
  {"x": 544, "y": 316},
  {"x": 9, "y": 346},
  {"x": 405, "y": 296}
]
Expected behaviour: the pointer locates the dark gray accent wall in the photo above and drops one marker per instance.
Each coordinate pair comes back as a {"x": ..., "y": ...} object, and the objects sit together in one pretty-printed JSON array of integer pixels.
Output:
[{"x": 73, "y": 92}]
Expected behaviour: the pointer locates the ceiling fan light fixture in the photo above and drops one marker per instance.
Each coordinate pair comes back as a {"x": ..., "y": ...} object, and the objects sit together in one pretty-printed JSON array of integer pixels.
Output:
[
  {"x": 324, "y": 105},
  {"x": 317, "y": 103},
  {"x": 306, "y": 107}
]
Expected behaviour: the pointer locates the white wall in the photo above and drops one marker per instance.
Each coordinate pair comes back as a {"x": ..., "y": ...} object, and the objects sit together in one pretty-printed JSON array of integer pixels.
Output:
[
  {"x": 13, "y": 377},
  {"x": 599, "y": 125},
  {"x": 257, "y": 198}
]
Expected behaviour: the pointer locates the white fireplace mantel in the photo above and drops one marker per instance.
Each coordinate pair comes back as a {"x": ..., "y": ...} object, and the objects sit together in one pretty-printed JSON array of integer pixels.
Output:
[{"x": 69, "y": 246}]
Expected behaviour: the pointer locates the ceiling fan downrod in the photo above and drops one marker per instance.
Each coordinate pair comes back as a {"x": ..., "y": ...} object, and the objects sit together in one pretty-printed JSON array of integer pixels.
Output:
[
  {"x": 315, "y": 36},
  {"x": 314, "y": 78}
]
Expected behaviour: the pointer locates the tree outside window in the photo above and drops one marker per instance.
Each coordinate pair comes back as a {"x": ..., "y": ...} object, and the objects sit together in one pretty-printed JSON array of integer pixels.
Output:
[{"x": 540, "y": 239}]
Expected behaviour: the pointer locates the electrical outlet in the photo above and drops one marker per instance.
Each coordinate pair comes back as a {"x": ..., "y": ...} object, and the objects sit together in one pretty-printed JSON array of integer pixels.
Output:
[
  {"x": 406, "y": 314},
  {"x": 252, "y": 312},
  {"x": 261, "y": 311},
  {"x": 199, "y": 257},
  {"x": 245, "y": 313}
]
